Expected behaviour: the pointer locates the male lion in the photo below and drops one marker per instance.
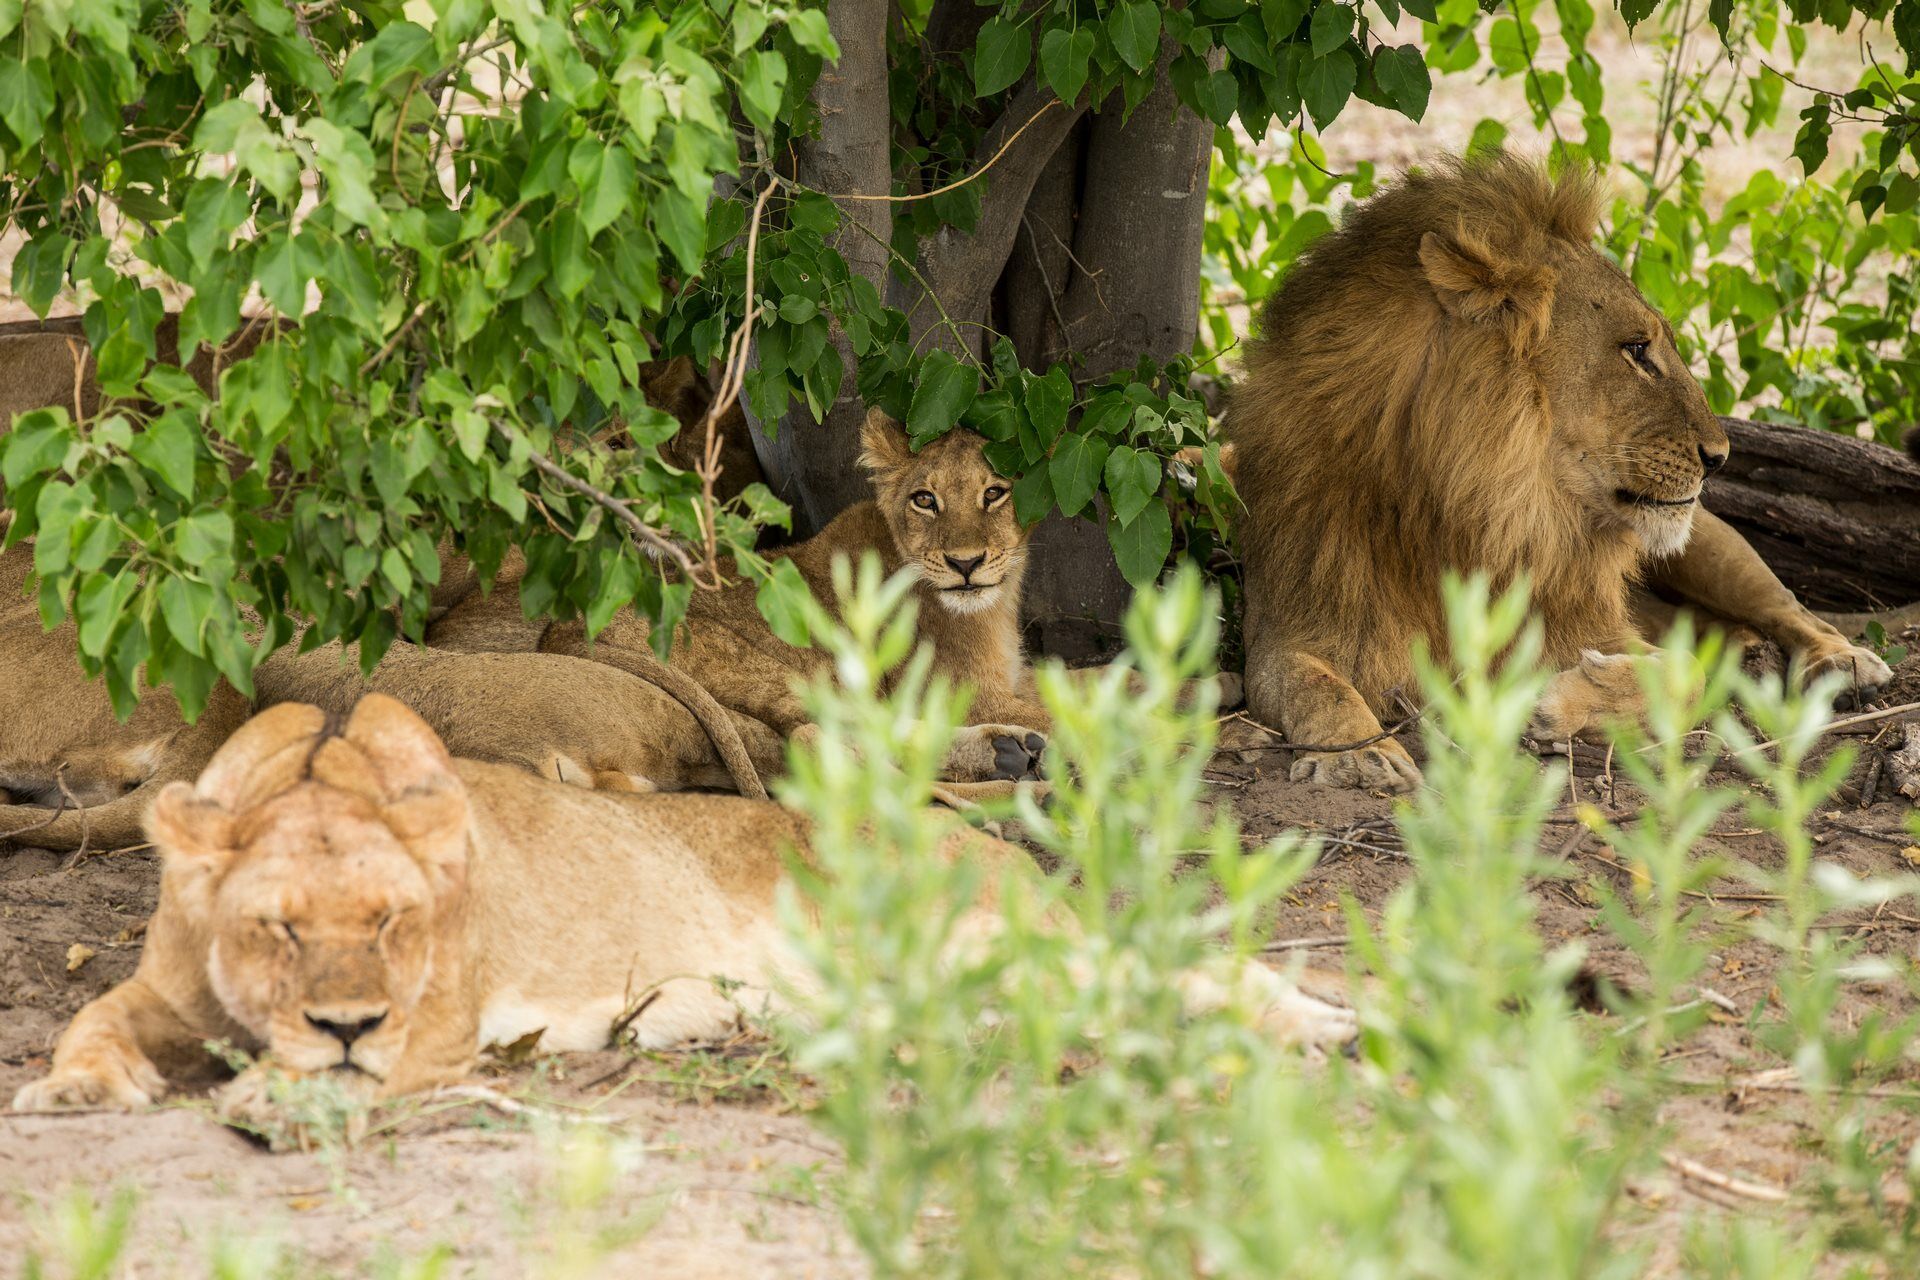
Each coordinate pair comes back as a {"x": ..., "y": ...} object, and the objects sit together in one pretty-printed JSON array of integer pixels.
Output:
[
  {"x": 1457, "y": 380},
  {"x": 941, "y": 511},
  {"x": 362, "y": 902}
]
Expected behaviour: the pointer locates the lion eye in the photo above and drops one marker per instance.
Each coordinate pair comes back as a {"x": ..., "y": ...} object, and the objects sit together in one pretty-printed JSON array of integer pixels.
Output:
[
  {"x": 1637, "y": 352},
  {"x": 925, "y": 501},
  {"x": 993, "y": 494},
  {"x": 282, "y": 930}
]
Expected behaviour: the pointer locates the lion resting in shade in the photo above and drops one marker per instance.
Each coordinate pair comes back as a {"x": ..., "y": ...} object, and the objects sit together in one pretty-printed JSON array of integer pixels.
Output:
[
  {"x": 1454, "y": 381},
  {"x": 351, "y": 899}
]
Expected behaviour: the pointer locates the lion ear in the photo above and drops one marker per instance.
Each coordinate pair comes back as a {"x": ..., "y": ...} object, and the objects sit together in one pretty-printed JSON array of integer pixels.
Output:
[
  {"x": 432, "y": 822},
  {"x": 1478, "y": 284},
  {"x": 883, "y": 443},
  {"x": 403, "y": 749},
  {"x": 189, "y": 829},
  {"x": 425, "y": 803},
  {"x": 264, "y": 757}
]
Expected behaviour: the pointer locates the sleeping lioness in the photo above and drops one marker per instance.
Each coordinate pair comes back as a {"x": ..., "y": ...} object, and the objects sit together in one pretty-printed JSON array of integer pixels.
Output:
[{"x": 360, "y": 902}]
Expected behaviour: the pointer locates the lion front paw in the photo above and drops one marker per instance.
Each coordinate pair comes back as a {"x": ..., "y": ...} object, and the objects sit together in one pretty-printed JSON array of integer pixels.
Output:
[
  {"x": 1579, "y": 699},
  {"x": 1861, "y": 668},
  {"x": 995, "y": 753},
  {"x": 1297, "y": 1020},
  {"x": 291, "y": 1111},
  {"x": 107, "y": 1082},
  {"x": 1380, "y": 766}
]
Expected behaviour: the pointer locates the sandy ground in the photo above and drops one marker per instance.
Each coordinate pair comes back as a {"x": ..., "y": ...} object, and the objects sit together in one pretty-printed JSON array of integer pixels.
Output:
[{"x": 713, "y": 1166}]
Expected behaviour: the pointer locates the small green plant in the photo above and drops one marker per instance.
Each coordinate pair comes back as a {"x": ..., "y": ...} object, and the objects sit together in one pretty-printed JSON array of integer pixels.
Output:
[{"x": 1034, "y": 1101}]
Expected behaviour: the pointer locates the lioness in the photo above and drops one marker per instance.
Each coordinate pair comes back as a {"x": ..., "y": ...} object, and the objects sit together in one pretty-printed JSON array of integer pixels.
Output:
[
  {"x": 941, "y": 511},
  {"x": 362, "y": 902},
  {"x": 1457, "y": 379},
  {"x": 70, "y": 773}
]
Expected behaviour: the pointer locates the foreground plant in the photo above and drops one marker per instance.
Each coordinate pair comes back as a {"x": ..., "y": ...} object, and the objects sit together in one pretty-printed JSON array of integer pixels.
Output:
[{"x": 1043, "y": 1106}]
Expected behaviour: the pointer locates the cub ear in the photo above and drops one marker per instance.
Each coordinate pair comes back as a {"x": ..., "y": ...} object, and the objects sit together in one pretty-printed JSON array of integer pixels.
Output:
[
  {"x": 883, "y": 443},
  {"x": 1480, "y": 285},
  {"x": 190, "y": 829}
]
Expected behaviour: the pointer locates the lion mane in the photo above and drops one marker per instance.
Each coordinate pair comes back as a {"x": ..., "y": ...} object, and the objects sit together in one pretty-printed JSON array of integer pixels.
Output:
[{"x": 1378, "y": 446}]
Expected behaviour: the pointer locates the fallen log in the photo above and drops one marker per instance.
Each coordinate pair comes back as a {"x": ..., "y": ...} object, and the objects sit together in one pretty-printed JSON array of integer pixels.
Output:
[{"x": 1836, "y": 517}]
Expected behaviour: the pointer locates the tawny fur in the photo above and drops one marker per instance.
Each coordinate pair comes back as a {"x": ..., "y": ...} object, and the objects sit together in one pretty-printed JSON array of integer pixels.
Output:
[
  {"x": 1455, "y": 380},
  {"x": 728, "y": 647},
  {"x": 367, "y": 882}
]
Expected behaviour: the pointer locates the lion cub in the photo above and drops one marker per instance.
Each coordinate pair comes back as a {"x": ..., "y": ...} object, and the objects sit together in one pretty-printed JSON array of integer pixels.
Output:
[
  {"x": 941, "y": 511},
  {"x": 360, "y": 902}
]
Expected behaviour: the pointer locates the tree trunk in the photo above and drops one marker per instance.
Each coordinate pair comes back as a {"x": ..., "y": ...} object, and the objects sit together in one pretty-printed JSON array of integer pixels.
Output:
[
  {"x": 814, "y": 467},
  {"x": 1837, "y": 518},
  {"x": 1132, "y": 289}
]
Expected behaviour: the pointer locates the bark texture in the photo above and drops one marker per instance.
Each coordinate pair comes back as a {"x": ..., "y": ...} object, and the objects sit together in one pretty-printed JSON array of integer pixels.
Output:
[
  {"x": 1837, "y": 518},
  {"x": 814, "y": 466}
]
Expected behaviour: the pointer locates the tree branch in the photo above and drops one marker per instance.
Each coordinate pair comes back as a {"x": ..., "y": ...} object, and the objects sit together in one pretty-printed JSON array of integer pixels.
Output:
[{"x": 962, "y": 267}]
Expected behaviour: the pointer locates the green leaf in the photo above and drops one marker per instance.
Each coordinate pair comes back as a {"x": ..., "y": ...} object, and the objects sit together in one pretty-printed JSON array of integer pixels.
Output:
[
  {"x": 99, "y": 606},
  {"x": 204, "y": 539},
  {"x": 1133, "y": 478},
  {"x": 1326, "y": 86},
  {"x": 36, "y": 445},
  {"x": 763, "y": 82},
  {"x": 40, "y": 268},
  {"x": 1134, "y": 28},
  {"x": 782, "y": 600},
  {"x": 1000, "y": 56},
  {"x": 810, "y": 31},
  {"x": 1075, "y": 470},
  {"x": 605, "y": 177},
  {"x": 1906, "y": 31},
  {"x": 1064, "y": 59},
  {"x": 1332, "y": 25},
  {"x": 945, "y": 390},
  {"x": 682, "y": 225},
  {"x": 1402, "y": 74},
  {"x": 187, "y": 606},
  {"x": 1219, "y": 97},
  {"x": 26, "y": 97},
  {"x": 1048, "y": 400},
  {"x": 1810, "y": 145},
  {"x": 220, "y": 127},
  {"x": 1282, "y": 18},
  {"x": 1033, "y": 495},
  {"x": 1140, "y": 546},
  {"x": 168, "y": 448},
  {"x": 345, "y": 160}
]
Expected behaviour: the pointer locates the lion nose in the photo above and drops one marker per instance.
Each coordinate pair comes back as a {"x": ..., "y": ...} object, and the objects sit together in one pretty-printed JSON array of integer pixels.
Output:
[
  {"x": 966, "y": 567},
  {"x": 349, "y": 1028},
  {"x": 1712, "y": 460}
]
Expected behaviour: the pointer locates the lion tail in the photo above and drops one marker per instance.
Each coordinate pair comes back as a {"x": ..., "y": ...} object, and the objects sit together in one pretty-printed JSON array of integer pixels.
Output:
[{"x": 691, "y": 694}]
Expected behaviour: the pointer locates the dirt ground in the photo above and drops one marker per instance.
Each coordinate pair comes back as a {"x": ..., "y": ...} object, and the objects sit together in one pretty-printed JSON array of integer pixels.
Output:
[{"x": 712, "y": 1167}]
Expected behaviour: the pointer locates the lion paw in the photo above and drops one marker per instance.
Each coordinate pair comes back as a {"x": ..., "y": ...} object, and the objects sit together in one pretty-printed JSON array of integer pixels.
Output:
[
  {"x": 1579, "y": 698},
  {"x": 1233, "y": 691},
  {"x": 107, "y": 1084},
  {"x": 995, "y": 753},
  {"x": 1862, "y": 670},
  {"x": 260, "y": 1101},
  {"x": 1297, "y": 1020},
  {"x": 1382, "y": 766}
]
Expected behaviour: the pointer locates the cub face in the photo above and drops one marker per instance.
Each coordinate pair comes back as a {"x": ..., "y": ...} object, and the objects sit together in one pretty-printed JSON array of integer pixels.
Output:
[{"x": 949, "y": 513}]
